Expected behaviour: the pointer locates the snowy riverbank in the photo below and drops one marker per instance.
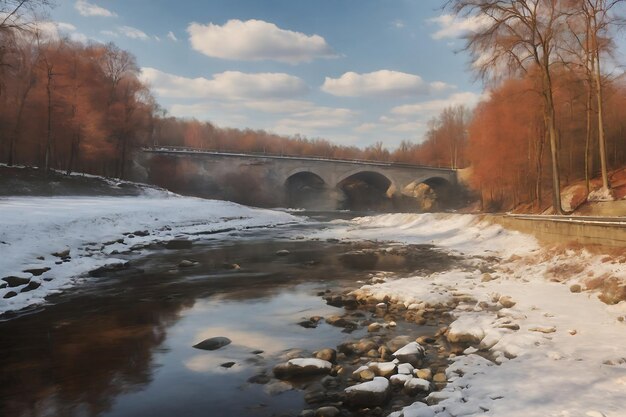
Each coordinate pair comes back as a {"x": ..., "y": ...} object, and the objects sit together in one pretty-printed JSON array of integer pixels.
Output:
[
  {"x": 87, "y": 232},
  {"x": 556, "y": 352}
]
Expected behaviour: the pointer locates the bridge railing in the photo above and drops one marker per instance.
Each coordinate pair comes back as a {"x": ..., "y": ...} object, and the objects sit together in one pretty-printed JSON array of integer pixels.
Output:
[{"x": 183, "y": 149}]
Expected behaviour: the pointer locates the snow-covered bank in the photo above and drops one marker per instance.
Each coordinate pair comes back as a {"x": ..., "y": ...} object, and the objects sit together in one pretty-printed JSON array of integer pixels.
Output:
[
  {"x": 32, "y": 228},
  {"x": 558, "y": 352}
]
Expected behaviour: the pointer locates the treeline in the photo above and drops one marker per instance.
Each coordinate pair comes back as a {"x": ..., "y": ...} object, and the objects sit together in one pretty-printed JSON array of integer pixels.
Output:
[{"x": 70, "y": 106}]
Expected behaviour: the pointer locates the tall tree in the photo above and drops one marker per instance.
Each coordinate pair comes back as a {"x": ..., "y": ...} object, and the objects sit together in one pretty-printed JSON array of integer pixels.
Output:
[{"x": 516, "y": 37}]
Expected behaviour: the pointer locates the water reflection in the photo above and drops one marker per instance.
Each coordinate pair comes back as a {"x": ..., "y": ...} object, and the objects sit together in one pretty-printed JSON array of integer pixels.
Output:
[{"x": 122, "y": 345}]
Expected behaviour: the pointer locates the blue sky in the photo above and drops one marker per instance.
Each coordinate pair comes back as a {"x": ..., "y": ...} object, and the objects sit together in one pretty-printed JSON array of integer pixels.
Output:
[{"x": 351, "y": 71}]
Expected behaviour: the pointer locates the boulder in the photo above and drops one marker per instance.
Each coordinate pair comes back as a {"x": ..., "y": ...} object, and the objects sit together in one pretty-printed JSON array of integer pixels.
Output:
[
  {"x": 37, "y": 271},
  {"x": 506, "y": 301},
  {"x": 399, "y": 379},
  {"x": 328, "y": 354},
  {"x": 10, "y": 294},
  {"x": 62, "y": 254},
  {"x": 412, "y": 353},
  {"x": 368, "y": 394},
  {"x": 302, "y": 367},
  {"x": 16, "y": 281},
  {"x": 415, "y": 385},
  {"x": 328, "y": 411},
  {"x": 405, "y": 368},
  {"x": 213, "y": 343},
  {"x": 384, "y": 369},
  {"x": 33, "y": 285}
]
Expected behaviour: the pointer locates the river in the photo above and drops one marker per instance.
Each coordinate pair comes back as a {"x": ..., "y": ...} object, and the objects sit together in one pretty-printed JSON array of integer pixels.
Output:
[{"x": 122, "y": 344}]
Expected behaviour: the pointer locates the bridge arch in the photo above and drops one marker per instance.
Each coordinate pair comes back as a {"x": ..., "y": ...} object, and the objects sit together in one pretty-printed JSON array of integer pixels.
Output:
[
  {"x": 430, "y": 193},
  {"x": 366, "y": 189},
  {"x": 305, "y": 188}
]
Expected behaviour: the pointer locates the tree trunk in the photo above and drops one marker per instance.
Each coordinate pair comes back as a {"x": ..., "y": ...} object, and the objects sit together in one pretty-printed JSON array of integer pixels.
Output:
[
  {"x": 49, "y": 127},
  {"x": 601, "y": 138}
]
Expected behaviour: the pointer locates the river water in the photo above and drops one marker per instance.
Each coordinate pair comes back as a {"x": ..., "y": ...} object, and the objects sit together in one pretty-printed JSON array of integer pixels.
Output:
[{"x": 122, "y": 344}]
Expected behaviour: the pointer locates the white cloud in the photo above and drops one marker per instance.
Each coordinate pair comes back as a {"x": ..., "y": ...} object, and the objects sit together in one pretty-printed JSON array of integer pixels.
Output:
[
  {"x": 256, "y": 40},
  {"x": 57, "y": 30},
  {"x": 132, "y": 33},
  {"x": 381, "y": 83},
  {"x": 171, "y": 36},
  {"x": 366, "y": 127},
  {"x": 89, "y": 9},
  {"x": 226, "y": 85},
  {"x": 109, "y": 33},
  {"x": 453, "y": 27},
  {"x": 311, "y": 120},
  {"x": 431, "y": 107},
  {"x": 398, "y": 24}
]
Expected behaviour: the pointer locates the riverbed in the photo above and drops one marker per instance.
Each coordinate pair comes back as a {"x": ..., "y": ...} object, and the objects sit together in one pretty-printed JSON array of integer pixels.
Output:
[{"x": 121, "y": 344}]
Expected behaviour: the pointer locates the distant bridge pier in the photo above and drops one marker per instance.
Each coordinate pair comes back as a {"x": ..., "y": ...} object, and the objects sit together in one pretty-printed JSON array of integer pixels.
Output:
[{"x": 299, "y": 182}]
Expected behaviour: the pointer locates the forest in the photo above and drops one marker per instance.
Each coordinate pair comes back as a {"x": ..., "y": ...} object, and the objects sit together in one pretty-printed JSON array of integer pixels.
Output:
[{"x": 554, "y": 112}]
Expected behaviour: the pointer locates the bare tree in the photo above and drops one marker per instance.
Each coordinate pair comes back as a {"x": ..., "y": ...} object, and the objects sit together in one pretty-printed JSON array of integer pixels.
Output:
[
  {"x": 518, "y": 36},
  {"x": 20, "y": 14}
]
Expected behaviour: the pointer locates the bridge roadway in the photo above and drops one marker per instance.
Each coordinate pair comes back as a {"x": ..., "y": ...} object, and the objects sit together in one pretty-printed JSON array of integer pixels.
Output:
[{"x": 296, "y": 173}]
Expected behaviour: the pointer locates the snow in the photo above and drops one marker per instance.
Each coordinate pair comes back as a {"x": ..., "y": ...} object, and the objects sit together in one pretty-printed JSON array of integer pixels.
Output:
[
  {"x": 378, "y": 384},
  {"x": 405, "y": 368},
  {"x": 310, "y": 362},
  {"x": 418, "y": 383},
  {"x": 412, "y": 348},
  {"x": 555, "y": 353},
  {"x": 32, "y": 227}
]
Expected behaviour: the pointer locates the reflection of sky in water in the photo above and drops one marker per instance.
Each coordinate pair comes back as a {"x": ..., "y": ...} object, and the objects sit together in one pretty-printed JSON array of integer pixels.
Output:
[{"x": 194, "y": 378}]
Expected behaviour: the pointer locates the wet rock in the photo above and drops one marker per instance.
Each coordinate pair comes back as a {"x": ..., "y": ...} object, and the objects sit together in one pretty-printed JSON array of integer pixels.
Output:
[
  {"x": 328, "y": 354},
  {"x": 62, "y": 254},
  {"x": 334, "y": 300},
  {"x": 328, "y": 411},
  {"x": 142, "y": 233},
  {"x": 260, "y": 379},
  {"x": 302, "y": 367},
  {"x": 186, "y": 263},
  {"x": 315, "y": 397},
  {"x": 256, "y": 352},
  {"x": 277, "y": 387},
  {"x": 3, "y": 285},
  {"x": 213, "y": 343},
  {"x": 10, "y": 294},
  {"x": 179, "y": 244},
  {"x": 37, "y": 271},
  {"x": 349, "y": 302},
  {"x": 412, "y": 353},
  {"x": 398, "y": 342},
  {"x": 366, "y": 375},
  {"x": 13, "y": 281},
  {"x": 307, "y": 324},
  {"x": 368, "y": 394},
  {"x": 33, "y": 285},
  {"x": 282, "y": 252},
  {"x": 227, "y": 365},
  {"x": 339, "y": 321},
  {"x": 231, "y": 266},
  {"x": 425, "y": 340},
  {"x": 307, "y": 413}
]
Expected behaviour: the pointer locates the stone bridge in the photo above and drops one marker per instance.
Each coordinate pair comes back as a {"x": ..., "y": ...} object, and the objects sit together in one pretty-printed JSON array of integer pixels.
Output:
[{"x": 290, "y": 180}]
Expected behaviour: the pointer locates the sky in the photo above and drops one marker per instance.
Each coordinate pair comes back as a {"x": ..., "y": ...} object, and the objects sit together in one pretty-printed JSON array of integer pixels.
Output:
[{"x": 354, "y": 72}]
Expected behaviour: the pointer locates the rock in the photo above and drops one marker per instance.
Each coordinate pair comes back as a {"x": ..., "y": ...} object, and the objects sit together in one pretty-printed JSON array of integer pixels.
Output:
[
  {"x": 260, "y": 379},
  {"x": 486, "y": 277},
  {"x": 106, "y": 269},
  {"x": 302, "y": 367},
  {"x": 365, "y": 345},
  {"x": 368, "y": 394},
  {"x": 328, "y": 354},
  {"x": 366, "y": 375},
  {"x": 349, "y": 302},
  {"x": 213, "y": 343},
  {"x": 412, "y": 353},
  {"x": 328, "y": 411},
  {"x": 543, "y": 329},
  {"x": 37, "y": 271},
  {"x": 282, "y": 252},
  {"x": 10, "y": 294},
  {"x": 415, "y": 385},
  {"x": 307, "y": 324},
  {"x": 575, "y": 288},
  {"x": 277, "y": 387},
  {"x": 16, "y": 281},
  {"x": 399, "y": 379},
  {"x": 307, "y": 413},
  {"x": 423, "y": 340},
  {"x": 339, "y": 321},
  {"x": 231, "y": 266},
  {"x": 62, "y": 254},
  {"x": 506, "y": 301},
  {"x": 374, "y": 327},
  {"x": 398, "y": 342},
  {"x": 33, "y": 285},
  {"x": 418, "y": 409},
  {"x": 141, "y": 233},
  {"x": 227, "y": 365},
  {"x": 405, "y": 368},
  {"x": 425, "y": 373},
  {"x": 440, "y": 377},
  {"x": 384, "y": 369},
  {"x": 179, "y": 244},
  {"x": 315, "y": 397},
  {"x": 185, "y": 263}
]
